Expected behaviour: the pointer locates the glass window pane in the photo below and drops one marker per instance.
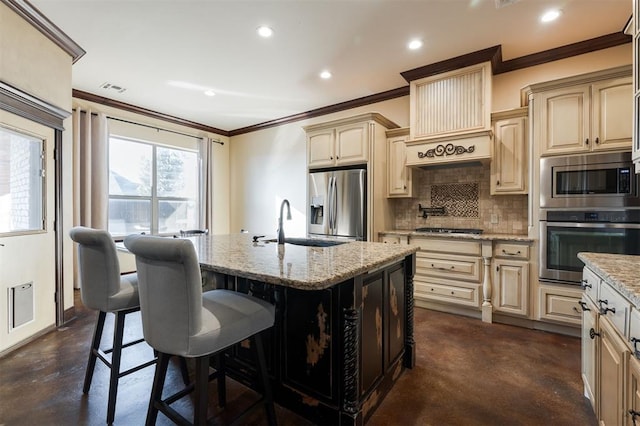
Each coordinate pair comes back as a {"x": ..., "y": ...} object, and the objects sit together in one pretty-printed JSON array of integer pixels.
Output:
[
  {"x": 177, "y": 173},
  {"x": 176, "y": 215},
  {"x": 127, "y": 216},
  {"x": 130, "y": 168},
  {"x": 21, "y": 182}
]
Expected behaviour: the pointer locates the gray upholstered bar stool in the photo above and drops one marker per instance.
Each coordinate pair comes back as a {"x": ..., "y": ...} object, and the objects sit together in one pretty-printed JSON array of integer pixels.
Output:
[
  {"x": 179, "y": 319},
  {"x": 103, "y": 288}
]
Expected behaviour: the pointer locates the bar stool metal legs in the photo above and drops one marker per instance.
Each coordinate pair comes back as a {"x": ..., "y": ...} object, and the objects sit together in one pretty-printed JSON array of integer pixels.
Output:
[{"x": 116, "y": 356}]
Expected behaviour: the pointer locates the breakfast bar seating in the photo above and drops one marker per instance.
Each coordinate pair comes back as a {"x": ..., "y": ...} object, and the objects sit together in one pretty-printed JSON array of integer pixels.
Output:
[{"x": 179, "y": 319}]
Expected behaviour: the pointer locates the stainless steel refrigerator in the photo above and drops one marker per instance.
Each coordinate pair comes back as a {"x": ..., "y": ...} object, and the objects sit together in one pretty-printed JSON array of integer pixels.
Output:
[{"x": 337, "y": 204}]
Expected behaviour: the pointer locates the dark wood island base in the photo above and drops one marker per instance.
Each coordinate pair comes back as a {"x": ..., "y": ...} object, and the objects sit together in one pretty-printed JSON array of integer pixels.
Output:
[{"x": 334, "y": 353}]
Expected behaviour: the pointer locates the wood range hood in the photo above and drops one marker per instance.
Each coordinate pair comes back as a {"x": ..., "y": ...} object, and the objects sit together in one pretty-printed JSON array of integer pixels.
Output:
[{"x": 450, "y": 118}]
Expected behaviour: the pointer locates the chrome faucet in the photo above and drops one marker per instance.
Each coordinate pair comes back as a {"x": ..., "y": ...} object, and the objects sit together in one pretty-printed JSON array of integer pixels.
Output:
[{"x": 280, "y": 227}]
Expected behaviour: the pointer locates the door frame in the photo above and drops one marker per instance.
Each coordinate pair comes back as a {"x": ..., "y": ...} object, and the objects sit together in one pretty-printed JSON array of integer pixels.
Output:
[{"x": 32, "y": 108}]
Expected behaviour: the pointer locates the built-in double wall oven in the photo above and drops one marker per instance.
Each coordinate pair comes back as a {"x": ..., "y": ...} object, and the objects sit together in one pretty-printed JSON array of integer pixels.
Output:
[{"x": 587, "y": 203}]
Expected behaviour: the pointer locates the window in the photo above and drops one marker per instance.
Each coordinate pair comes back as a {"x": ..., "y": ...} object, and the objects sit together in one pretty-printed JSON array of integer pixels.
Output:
[
  {"x": 21, "y": 182},
  {"x": 152, "y": 188}
]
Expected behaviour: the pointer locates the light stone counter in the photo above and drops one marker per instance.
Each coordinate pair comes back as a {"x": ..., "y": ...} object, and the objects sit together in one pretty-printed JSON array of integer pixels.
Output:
[
  {"x": 484, "y": 237},
  {"x": 307, "y": 268},
  {"x": 621, "y": 271}
]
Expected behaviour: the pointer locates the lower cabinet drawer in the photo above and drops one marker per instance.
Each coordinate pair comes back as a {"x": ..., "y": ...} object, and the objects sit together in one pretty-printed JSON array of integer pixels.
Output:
[
  {"x": 614, "y": 306},
  {"x": 450, "y": 291},
  {"x": 449, "y": 266},
  {"x": 560, "y": 305}
]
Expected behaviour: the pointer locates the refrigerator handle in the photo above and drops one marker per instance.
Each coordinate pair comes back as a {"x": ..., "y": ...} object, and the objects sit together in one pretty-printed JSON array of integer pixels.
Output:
[
  {"x": 330, "y": 205},
  {"x": 335, "y": 205}
]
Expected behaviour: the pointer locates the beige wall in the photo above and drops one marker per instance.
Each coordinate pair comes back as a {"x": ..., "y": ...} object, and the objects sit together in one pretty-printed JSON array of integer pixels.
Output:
[{"x": 31, "y": 62}]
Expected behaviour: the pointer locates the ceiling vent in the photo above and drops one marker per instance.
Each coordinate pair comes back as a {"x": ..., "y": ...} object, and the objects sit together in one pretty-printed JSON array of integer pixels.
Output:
[
  {"x": 113, "y": 87},
  {"x": 503, "y": 3}
]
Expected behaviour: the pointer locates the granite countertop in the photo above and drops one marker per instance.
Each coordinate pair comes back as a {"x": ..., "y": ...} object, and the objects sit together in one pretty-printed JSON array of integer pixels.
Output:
[
  {"x": 620, "y": 270},
  {"x": 302, "y": 267},
  {"x": 491, "y": 237}
]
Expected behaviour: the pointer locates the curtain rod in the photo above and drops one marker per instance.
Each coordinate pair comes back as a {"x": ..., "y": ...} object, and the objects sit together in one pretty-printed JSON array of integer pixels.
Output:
[
  {"x": 164, "y": 130},
  {"x": 156, "y": 128}
]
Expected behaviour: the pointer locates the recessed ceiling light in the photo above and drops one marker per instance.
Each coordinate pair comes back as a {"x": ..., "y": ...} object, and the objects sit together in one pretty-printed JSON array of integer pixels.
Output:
[
  {"x": 209, "y": 93},
  {"x": 265, "y": 31},
  {"x": 415, "y": 44},
  {"x": 550, "y": 15},
  {"x": 325, "y": 74}
]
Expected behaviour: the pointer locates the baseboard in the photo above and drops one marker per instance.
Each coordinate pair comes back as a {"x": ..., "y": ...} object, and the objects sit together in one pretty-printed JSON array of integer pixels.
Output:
[
  {"x": 497, "y": 317},
  {"x": 27, "y": 340}
]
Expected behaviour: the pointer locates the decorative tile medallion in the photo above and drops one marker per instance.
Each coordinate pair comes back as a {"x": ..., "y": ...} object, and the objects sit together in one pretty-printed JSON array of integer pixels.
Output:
[{"x": 458, "y": 199}]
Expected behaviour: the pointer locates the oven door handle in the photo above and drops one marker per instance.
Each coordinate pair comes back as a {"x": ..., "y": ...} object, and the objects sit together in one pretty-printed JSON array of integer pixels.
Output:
[{"x": 591, "y": 225}]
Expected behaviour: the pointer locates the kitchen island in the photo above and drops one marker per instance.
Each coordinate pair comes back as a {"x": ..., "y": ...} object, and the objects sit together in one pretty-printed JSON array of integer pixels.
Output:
[{"x": 343, "y": 332}]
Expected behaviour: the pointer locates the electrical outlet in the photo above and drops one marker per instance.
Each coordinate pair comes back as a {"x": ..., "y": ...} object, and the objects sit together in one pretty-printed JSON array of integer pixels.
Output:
[{"x": 494, "y": 218}]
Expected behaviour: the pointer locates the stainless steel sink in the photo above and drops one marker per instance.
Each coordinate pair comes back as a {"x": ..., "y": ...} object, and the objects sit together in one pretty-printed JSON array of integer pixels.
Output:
[
  {"x": 309, "y": 242},
  {"x": 313, "y": 242}
]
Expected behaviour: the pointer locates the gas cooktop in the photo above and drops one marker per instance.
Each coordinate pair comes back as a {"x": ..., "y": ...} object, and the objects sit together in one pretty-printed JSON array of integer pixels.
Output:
[{"x": 450, "y": 230}]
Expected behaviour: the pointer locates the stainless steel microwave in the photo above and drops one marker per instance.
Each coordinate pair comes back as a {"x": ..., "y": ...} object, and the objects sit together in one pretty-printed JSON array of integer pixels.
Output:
[{"x": 600, "y": 180}]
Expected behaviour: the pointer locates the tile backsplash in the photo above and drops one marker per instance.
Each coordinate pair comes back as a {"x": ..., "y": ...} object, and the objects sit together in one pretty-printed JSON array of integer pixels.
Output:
[{"x": 464, "y": 192}]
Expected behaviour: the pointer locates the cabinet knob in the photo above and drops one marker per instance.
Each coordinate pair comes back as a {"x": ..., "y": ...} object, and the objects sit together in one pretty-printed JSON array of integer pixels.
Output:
[
  {"x": 593, "y": 334},
  {"x": 583, "y": 306},
  {"x": 586, "y": 142},
  {"x": 498, "y": 183},
  {"x": 585, "y": 284},
  {"x": 331, "y": 158},
  {"x": 634, "y": 414},
  {"x": 603, "y": 310},
  {"x": 597, "y": 141}
]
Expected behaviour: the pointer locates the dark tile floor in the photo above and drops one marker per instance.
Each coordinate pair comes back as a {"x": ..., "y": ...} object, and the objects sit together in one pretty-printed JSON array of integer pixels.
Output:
[{"x": 467, "y": 373}]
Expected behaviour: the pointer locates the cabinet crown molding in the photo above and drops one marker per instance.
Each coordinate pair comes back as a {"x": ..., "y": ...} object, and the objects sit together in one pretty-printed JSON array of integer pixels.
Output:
[
  {"x": 371, "y": 116},
  {"x": 606, "y": 74}
]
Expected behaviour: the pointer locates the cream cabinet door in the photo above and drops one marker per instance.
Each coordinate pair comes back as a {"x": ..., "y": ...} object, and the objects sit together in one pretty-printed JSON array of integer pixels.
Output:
[
  {"x": 320, "y": 146},
  {"x": 589, "y": 350},
  {"x": 352, "y": 144},
  {"x": 565, "y": 121},
  {"x": 612, "y": 107},
  {"x": 633, "y": 391},
  {"x": 613, "y": 354},
  {"x": 511, "y": 286},
  {"x": 398, "y": 174},
  {"x": 509, "y": 164}
]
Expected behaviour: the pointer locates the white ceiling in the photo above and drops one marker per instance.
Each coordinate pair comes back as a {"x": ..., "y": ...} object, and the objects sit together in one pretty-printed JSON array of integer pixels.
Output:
[{"x": 142, "y": 45}]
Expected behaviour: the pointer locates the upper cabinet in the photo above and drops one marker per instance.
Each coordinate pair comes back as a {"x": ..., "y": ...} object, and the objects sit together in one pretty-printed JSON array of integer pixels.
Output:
[
  {"x": 342, "y": 142},
  {"x": 509, "y": 169},
  {"x": 338, "y": 146},
  {"x": 399, "y": 176},
  {"x": 586, "y": 113}
]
